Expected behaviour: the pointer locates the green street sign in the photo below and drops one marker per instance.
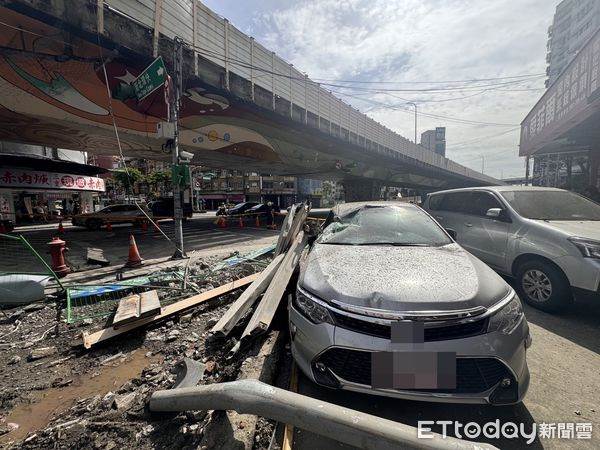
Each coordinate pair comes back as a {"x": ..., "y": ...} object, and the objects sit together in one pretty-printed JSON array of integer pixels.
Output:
[
  {"x": 180, "y": 174},
  {"x": 150, "y": 79}
]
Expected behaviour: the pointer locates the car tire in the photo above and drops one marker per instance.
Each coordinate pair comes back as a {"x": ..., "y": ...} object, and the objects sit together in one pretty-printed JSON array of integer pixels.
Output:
[
  {"x": 544, "y": 286},
  {"x": 93, "y": 224}
]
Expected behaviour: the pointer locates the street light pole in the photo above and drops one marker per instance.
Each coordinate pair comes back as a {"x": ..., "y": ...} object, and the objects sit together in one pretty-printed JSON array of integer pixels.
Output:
[
  {"x": 482, "y": 163},
  {"x": 415, "y": 105},
  {"x": 177, "y": 86}
]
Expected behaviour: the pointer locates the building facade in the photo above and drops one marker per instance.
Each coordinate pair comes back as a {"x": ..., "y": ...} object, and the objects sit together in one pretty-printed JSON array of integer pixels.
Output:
[
  {"x": 435, "y": 140},
  {"x": 42, "y": 184},
  {"x": 575, "y": 21}
]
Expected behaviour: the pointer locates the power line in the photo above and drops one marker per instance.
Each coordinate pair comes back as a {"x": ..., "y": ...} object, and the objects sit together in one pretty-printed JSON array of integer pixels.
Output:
[
  {"x": 434, "y": 116},
  {"x": 432, "y": 82},
  {"x": 472, "y": 141}
]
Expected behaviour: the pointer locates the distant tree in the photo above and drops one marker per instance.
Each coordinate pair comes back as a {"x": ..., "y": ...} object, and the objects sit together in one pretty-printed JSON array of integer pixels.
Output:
[{"x": 128, "y": 178}]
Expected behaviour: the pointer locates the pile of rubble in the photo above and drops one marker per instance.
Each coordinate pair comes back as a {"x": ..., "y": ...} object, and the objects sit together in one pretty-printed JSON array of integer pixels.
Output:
[{"x": 96, "y": 395}]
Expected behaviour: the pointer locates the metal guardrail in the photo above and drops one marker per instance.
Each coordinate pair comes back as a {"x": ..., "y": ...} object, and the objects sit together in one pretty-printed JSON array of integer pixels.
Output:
[{"x": 326, "y": 419}]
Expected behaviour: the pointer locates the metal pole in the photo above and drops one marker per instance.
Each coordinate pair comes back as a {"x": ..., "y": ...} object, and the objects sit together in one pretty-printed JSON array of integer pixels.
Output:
[
  {"x": 415, "y": 105},
  {"x": 482, "y": 163},
  {"x": 177, "y": 86},
  {"x": 527, "y": 171},
  {"x": 326, "y": 419}
]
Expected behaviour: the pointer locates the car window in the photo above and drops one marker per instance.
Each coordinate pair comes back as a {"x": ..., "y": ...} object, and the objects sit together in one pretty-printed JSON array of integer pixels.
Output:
[
  {"x": 480, "y": 202},
  {"x": 435, "y": 201},
  {"x": 117, "y": 208},
  {"x": 552, "y": 205},
  {"x": 385, "y": 225},
  {"x": 456, "y": 202}
]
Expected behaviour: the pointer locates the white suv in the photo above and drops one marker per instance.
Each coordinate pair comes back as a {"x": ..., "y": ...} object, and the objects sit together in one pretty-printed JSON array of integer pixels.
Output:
[{"x": 548, "y": 239}]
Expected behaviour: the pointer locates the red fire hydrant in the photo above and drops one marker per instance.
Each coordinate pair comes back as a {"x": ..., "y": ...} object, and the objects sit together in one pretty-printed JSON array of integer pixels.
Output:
[{"x": 57, "y": 250}]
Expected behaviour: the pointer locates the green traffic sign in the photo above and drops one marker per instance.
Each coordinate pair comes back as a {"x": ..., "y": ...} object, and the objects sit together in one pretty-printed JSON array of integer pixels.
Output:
[{"x": 150, "y": 79}]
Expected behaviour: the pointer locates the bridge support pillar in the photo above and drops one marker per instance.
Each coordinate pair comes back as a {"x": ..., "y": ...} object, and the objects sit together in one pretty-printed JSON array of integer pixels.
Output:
[{"x": 362, "y": 190}]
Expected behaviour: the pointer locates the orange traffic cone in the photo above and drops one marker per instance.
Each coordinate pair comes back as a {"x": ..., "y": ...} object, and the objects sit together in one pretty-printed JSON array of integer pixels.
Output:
[
  {"x": 108, "y": 226},
  {"x": 221, "y": 222},
  {"x": 134, "y": 259},
  {"x": 144, "y": 225},
  {"x": 257, "y": 222},
  {"x": 61, "y": 229},
  {"x": 241, "y": 222}
]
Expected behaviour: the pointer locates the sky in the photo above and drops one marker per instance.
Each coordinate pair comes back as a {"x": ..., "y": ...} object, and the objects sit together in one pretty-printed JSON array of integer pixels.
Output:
[{"x": 417, "y": 45}]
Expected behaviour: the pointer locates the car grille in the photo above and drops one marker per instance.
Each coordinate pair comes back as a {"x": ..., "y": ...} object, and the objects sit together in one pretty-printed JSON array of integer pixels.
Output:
[
  {"x": 473, "y": 375},
  {"x": 441, "y": 333}
]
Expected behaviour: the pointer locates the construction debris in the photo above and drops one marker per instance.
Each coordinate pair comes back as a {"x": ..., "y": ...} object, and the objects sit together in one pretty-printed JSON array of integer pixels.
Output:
[
  {"x": 170, "y": 350},
  {"x": 96, "y": 256},
  {"x": 135, "y": 307}
]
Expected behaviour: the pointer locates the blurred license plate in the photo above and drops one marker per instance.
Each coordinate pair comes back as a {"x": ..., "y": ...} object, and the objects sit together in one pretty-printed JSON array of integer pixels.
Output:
[{"x": 413, "y": 370}]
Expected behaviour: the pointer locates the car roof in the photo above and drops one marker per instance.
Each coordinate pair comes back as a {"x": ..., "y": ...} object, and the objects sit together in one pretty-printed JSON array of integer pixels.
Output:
[
  {"x": 499, "y": 189},
  {"x": 344, "y": 208}
]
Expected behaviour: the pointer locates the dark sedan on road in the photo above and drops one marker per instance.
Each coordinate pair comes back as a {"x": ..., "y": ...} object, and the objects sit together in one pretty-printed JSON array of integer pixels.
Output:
[
  {"x": 388, "y": 303},
  {"x": 240, "y": 208}
]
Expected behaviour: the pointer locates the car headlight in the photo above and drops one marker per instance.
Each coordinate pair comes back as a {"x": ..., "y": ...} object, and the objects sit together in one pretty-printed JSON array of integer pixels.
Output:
[
  {"x": 587, "y": 247},
  {"x": 507, "y": 318},
  {"x": 311, "y": 308}
]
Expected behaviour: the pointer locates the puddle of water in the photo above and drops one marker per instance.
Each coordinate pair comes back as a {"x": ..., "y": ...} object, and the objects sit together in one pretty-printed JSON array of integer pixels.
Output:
[{"x": 48, "y": 403}]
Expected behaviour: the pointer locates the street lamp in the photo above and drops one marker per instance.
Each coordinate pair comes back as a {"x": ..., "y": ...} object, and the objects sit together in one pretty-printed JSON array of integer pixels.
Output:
[{"x": 415, "y": 105}]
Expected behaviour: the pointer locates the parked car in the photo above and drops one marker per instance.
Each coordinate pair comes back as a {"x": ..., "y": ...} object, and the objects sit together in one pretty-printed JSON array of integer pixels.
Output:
[
  {"x": 388, "y": 303},
  {"x": 263, "y": 209},
  {"x": 164, "y": 207},
  {"x": 114, "y": 214},
  {"x": 240, "y": 208},
  {"x": 547, "y": 239}
]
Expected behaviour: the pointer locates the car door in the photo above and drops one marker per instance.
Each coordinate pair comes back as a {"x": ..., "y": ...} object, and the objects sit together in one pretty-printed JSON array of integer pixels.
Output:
[
  {"x": 448, "y": 209},
  {"x": 485, "y": 237}
]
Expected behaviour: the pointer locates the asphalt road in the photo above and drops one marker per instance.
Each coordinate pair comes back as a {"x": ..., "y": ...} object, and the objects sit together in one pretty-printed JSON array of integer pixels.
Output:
[
  {"x": 200, "y": 233},
  {"x": 564, "y": 361}
]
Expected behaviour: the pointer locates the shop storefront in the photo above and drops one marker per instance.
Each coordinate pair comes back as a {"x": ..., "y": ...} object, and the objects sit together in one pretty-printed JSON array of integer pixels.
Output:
[{"x": 30, "y": 193}]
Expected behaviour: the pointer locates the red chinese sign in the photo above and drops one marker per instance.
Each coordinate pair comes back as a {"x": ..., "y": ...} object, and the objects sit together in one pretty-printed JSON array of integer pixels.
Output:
[{"x": 24, "y": 178}]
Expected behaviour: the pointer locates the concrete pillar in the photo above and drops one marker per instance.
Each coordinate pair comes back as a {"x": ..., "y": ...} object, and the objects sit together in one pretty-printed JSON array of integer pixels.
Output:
[{"x": 362, "y": 190}]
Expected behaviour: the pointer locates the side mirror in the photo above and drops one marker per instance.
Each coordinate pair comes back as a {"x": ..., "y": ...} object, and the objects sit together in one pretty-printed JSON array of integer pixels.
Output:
[
  {"x": 451, "y": 232},
  {"x": 494, "y": 213}
]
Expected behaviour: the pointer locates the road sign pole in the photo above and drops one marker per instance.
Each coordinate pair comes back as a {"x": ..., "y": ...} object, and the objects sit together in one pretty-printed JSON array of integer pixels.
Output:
[{"x": 177, "y": 86}]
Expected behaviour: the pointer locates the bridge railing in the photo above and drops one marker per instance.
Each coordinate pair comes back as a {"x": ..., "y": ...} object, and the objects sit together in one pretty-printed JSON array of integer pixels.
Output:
[{"x": 215, "y": 39}]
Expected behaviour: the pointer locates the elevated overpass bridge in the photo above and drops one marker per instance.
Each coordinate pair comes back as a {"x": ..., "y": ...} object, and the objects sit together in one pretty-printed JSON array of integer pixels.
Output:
[{"x": 243, "y": 106}]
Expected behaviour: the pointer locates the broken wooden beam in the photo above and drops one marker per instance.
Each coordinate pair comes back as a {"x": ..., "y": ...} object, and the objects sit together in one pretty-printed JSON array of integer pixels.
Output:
[
  {"x": 265, "y": 311},
  {"x": 241, "y": 306},
  {"x": 136, "y": 306},
  {"x": 90, "y": 339}
]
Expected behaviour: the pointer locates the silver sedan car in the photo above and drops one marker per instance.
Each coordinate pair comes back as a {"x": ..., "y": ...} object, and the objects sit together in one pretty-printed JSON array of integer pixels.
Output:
[{"x": 388, "y": 303}]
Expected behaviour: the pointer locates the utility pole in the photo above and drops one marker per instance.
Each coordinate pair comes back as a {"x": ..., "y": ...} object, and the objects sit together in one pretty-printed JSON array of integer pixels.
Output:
[
  {"x": 482, "y": 163},
  {"x": 177, "y": 87}
]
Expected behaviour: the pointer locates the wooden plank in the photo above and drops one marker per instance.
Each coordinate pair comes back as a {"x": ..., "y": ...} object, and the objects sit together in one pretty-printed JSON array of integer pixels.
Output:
[
  {"x": 239, "y": 308},
  {"x": 90, "y": 339},
  {"x": 149, "y": 303},
  {"x": 288, "y": 434},
  {"x": 128, "y": 310},
  {"x": 262, "y": 317},
  {"x": 285, "y": 229}
]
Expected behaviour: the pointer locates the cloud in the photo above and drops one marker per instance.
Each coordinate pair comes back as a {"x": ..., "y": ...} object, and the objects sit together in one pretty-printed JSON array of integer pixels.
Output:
[{"x": 419, "y": 40}]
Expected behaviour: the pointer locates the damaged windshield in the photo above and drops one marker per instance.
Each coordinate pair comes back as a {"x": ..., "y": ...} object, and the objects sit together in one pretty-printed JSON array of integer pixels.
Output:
[{"x": 385, "y": 225}]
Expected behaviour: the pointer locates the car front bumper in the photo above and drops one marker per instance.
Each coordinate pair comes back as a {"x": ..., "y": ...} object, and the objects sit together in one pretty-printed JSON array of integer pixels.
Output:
[
  {"x": 583, "y": 273},
  {"x": 316, "y": 346}
]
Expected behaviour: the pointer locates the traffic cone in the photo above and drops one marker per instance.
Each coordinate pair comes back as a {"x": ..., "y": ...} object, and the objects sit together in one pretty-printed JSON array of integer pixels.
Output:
[
  {"x": 108, "y": 226},
  {"x": 241, "y": 222},
  {"x": 221, "y": 222},
  {"x": 144, "y": 225},
  {"x": 257, "y": 222},
  {"x": 61, "y": 229},
  {"x": 134, "y": 259}
]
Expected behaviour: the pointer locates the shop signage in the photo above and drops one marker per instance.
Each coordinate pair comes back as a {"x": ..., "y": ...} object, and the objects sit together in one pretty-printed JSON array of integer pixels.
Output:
[{"x": 25, "y": 178}]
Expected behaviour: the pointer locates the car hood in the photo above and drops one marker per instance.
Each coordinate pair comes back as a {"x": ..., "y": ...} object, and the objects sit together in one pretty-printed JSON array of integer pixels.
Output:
[
  {"x": 582, "y": 228},
  {"x": 401, "y": 278}
]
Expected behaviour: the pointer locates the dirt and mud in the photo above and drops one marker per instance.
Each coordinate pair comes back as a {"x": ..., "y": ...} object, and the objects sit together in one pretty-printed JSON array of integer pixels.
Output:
[{"x": 56, "y": 394}]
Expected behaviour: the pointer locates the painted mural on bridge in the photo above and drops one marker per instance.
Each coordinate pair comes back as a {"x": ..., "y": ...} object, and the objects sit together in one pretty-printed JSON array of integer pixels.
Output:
[{"x": 52, "y": 90}]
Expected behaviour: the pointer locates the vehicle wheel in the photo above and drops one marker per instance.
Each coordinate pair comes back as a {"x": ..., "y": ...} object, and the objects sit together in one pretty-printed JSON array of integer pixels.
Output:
[
  {"x": 93, "y": 224},
  {"x": 544, "y": 286}
]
